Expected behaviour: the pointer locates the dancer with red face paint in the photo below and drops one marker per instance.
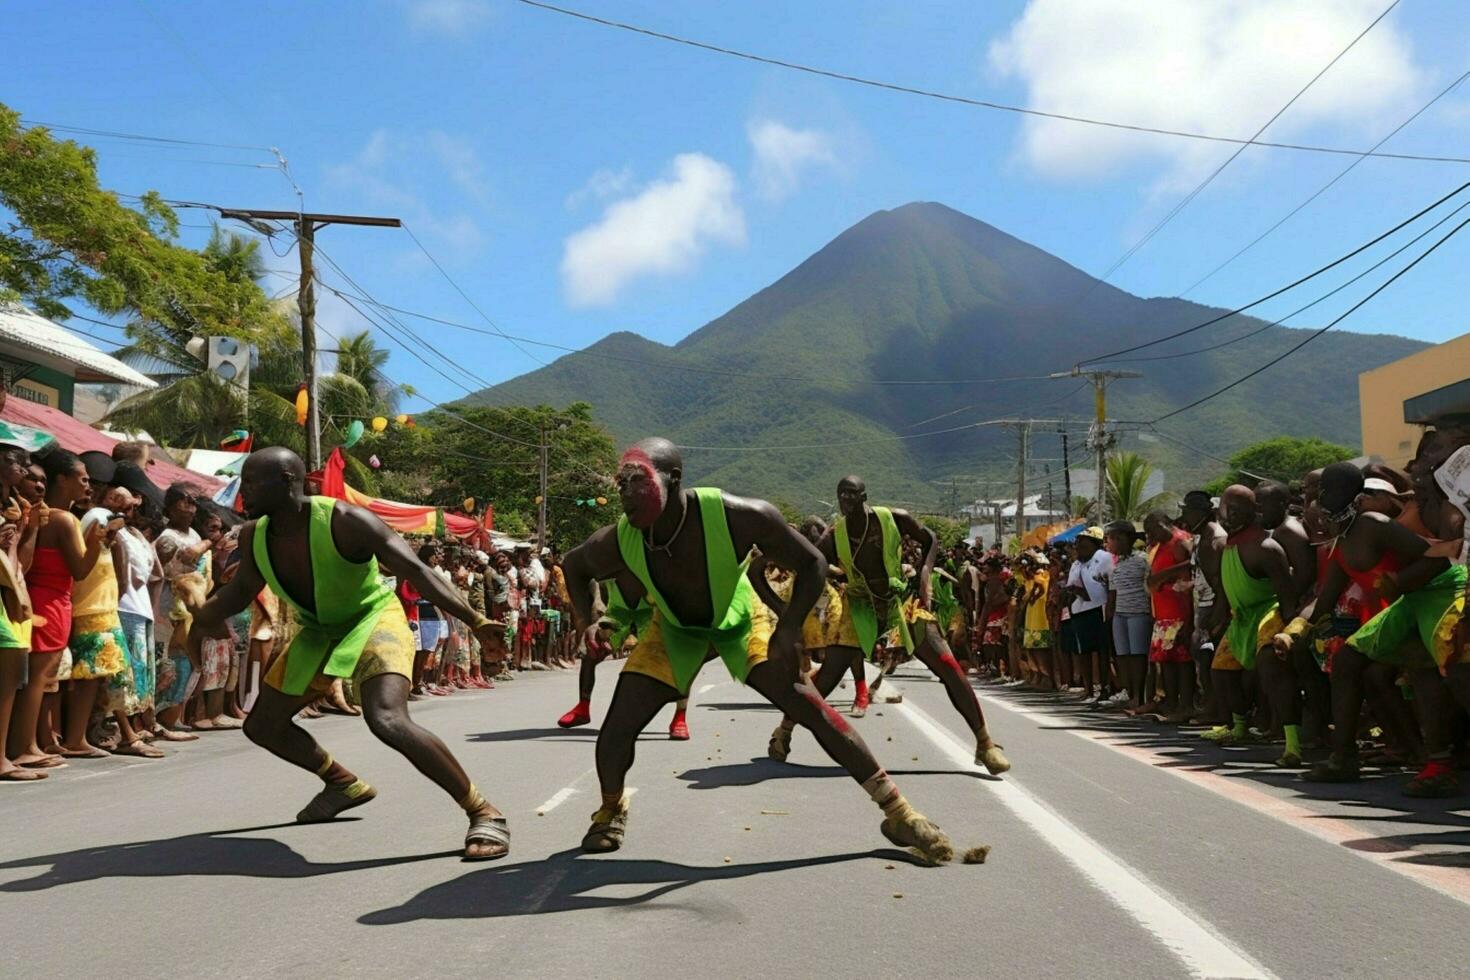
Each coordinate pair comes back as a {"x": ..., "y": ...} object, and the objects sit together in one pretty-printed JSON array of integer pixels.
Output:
[
  {"x": 866, "y": 542},
  {"x": 685, "y": 552}
]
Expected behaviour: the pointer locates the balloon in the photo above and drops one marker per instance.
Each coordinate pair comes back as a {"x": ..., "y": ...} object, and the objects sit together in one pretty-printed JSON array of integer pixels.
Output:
[
  {"x": 602, "y": 501},
  {"x": 409, "y": 422},
  {"x": 469, "y": 505},
  {"x": 374, "y": 461},
  {"x": 303, "y": 400},
  {"x": 354, "y": 433},
  {"x": 379, "y": 424},
  {"x": 403, "y": 420},
  {"x": 539, "y": 498}
]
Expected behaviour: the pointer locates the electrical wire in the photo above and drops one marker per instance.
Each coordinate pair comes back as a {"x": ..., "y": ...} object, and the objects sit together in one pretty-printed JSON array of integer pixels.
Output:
[
  {"x": 139, "y": 137},
  {"x": 965, "y": 100},
  {"x": 1184, "y": 202},
  {"x": 1316, "y": 333},
  {"x": 1323, "y": 189},
  {"x": 1325, "y": 296},
  {"x": 1287, "y": 288}
]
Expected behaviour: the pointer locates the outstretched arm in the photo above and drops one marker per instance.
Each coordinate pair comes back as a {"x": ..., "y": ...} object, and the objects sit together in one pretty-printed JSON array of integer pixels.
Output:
[
  {"x": 758, "y": 524},
  {"x": 762, "y": 585},
  {"x": 911, "y": 527},
  {"x": 236, "y": 594},
  {"x": 588, "y": 563}
]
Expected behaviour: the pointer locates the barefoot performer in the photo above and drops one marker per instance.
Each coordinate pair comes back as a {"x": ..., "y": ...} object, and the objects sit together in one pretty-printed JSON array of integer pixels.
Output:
[
  {"x": 321, "y": 556},
  {"x": 681, "y": 549},
  {"x": 867, "y": 543}
]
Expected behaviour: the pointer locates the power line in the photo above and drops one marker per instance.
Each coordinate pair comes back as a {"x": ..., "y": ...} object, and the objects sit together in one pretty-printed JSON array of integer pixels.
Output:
[
  {"x": 1184, "y": 203},
  {"x": 1316, "y": 333},
  {"x": 1324, "y": 188},
  {"x": 139, "y": 137},
  {"x": 964, "y": 100},
  {"x": 1300, "y": 309},
  {"x": 1287, "y": 288}
]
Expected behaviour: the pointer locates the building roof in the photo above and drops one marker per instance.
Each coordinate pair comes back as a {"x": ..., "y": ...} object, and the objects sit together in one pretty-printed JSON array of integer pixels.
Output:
[
  {"x": 79, "y": 438},
  {"x": 1449, "y": 402},
  {"x": 38, "y": 339},
  {"x": 213, "y": 462}
]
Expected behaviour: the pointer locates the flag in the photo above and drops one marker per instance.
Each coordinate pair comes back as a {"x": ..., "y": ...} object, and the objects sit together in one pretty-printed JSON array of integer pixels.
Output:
[{"x": 238, "y": 441}]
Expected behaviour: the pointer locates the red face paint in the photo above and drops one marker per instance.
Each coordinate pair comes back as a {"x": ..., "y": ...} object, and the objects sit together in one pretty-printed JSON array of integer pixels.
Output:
[{"x": 641, "y": 488}]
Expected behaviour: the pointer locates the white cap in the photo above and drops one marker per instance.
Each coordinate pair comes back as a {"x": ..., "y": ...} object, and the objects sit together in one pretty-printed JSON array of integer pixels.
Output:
[{"x": 1379, "y": 484}]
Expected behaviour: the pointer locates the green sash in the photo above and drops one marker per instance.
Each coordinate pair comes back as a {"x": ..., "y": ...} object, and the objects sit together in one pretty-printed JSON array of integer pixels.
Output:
[
  {"x": 945, "y": 604},
  {"x": 623, "y": 618},
  {"x": 731, "y": 595},
  {"x": 349, "y": 598},
  {"x": 861, "y": 603},
  {"x": 1251, "y": 601}
]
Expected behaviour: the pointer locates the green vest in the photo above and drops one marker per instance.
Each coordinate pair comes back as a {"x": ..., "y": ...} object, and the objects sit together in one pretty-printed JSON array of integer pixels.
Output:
[
  {"x": 1251, "y": 601},
  {"x": 731, "y": 595},
  {"x": 861, "y": 603},
  {"x": 349, "y": 598}
]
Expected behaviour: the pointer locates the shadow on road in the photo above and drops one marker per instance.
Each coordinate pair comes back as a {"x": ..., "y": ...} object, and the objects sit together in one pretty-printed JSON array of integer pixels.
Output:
[
  {"x": 760, "y": 770},
  {"x": 216, "y": 853},
  {"x": 565, "y": 881},
  {"x": 585, "y": 734}
]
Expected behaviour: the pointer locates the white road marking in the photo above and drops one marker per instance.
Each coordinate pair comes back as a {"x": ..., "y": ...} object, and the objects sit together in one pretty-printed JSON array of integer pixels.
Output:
[
  {"x": 565, "y": 793},
  {"x": 1202, "y": 951}
]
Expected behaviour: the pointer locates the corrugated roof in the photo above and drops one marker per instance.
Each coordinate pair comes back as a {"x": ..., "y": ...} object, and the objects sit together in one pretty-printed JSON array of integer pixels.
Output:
[{"x": 33, "y": 333}]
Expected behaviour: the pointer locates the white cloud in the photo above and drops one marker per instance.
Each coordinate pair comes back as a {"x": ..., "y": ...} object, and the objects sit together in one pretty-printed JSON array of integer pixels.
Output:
[
  {"x": 661, "y": 230},
  {"x": 782, "y": 153},
  {"x": 1223, "y": 66},
  {"x": 448, "y": 17},
  {"x": 603, "y": 184},
  {"x": 391, "y": 168}
]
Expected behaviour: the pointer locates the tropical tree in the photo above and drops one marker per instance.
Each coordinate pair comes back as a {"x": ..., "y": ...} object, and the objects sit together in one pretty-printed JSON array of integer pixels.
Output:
[
  {"x": 1127, "y": 480},
  {"x": 1283, "y": 458}
]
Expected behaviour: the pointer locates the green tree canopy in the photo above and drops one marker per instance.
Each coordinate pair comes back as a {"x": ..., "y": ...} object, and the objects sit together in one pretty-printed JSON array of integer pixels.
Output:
[
  {"x": 1283, "y": 458},
  {"x": 1128, "y": 476}
]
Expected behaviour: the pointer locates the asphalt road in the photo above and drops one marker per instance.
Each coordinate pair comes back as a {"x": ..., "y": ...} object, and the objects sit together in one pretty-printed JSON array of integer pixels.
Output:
[{"x": 1118, "y": 851}]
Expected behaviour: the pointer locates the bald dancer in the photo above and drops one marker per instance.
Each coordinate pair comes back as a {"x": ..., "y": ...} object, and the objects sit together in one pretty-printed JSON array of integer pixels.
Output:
[
  {"x": 1259, "y": 598},
  {"x": 322, "y": 556},
  {"x": 686, "y": 551},
  {"x": 866, "y": 543}
]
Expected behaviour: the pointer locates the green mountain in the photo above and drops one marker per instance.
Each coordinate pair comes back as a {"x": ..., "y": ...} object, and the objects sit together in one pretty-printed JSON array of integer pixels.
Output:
[{"x": 925, "y": 293}]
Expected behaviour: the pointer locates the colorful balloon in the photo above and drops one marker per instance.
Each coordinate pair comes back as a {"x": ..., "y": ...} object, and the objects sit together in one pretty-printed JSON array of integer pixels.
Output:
[
  {"x": 374, "y": 462},
  {"x": 354, "y": 433},
  {"x": 303, "y": 400},
  {"x": 379, "y": 424}
]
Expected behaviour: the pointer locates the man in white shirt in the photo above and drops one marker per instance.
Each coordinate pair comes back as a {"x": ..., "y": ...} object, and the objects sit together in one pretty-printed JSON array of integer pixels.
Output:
[{"x": 1084, "y": 633}]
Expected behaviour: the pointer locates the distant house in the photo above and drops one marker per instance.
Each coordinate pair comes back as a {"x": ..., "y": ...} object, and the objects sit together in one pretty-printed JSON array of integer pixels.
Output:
[{"x": 43, "y": 362}]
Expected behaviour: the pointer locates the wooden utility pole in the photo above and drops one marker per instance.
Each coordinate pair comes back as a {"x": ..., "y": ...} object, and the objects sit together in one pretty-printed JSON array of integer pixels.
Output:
[
  {"x": 541, "y": 514},
  {"x": 1066, "y": 474},
  {"x": 1099, "y": 439},
  {"x": 306, "y": 226},
  {"x": 1023, "y": 430}
]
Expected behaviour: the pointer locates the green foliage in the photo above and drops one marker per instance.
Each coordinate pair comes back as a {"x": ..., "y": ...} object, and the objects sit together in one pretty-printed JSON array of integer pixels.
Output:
[
  {"x": 1128, "y": 475},
  {"x": 1283, "y": 458},
  {"x": 68, "y": 239},
  {"x": 949, "y": 532},
  {"x": 449, "y": 456}
]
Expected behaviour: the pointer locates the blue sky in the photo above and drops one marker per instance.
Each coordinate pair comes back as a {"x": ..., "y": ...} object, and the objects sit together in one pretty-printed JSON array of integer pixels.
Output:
[{"x": 576, "y": 180}]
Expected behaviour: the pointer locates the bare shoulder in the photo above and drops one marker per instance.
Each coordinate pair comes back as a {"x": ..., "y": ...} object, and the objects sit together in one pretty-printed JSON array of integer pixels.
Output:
[
  {"x": 357, "y": 531},
  {"x": 752, "y": 512}
]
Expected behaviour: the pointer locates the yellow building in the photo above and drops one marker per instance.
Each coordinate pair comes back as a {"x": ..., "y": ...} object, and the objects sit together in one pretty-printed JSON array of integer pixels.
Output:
[{"x": 1390, "y": 397}]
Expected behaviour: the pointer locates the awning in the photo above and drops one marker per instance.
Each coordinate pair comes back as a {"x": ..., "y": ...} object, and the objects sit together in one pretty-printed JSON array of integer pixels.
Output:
[
  {"x": 80, "y": 437},
  {"x": 1450, "y": 403}
]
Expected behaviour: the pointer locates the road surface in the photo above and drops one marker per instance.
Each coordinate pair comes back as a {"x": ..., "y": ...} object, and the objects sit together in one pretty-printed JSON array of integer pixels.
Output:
[{"x": 1119, "y": 850}]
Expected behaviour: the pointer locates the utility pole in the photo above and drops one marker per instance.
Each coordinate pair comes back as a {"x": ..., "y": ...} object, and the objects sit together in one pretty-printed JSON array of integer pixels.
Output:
[
  {"x": 1066, "y": 473},
  {"x": 541, "y": 515},
  {"x": 1023, "y": 430},
  {"x": 999, "y": 526},
  {"x": 306, "y": 226},
  {"x": 1099, "y": 439}
]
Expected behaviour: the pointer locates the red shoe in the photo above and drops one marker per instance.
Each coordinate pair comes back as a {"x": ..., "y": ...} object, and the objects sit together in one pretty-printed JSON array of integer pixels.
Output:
[
  {"x": 578, "y": 716},
  {"x": 679, "y": 728}
]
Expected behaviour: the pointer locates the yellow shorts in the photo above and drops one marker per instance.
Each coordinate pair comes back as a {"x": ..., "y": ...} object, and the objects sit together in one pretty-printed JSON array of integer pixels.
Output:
[
  {"x": 1265, "y": 633},
  {"x": 389, "y": 650},
  {"x": 912, "y": 613},
  {"x": 651, "y": 658},
  {"x": 1224, "y": 659}
]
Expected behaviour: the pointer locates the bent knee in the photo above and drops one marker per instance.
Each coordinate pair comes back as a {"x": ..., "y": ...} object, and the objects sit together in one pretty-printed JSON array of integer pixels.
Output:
[{"x": 390, "y": 726}]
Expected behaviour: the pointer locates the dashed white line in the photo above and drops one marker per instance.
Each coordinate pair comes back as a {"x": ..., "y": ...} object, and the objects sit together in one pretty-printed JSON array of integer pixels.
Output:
[{"x": 1201, "y": 951}]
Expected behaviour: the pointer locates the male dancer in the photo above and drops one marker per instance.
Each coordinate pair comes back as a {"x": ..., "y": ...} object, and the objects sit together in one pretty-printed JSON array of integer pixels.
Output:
[
  {"x": 681, "y": 550},
  {"x": 1260, "y": 598},
  {"x": 321, "y": 555},
  {"x": 867, "y": 541}
]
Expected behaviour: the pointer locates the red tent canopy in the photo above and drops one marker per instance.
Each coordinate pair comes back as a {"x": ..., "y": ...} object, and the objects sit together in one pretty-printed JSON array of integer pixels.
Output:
[{"x": 80, "y": 437}]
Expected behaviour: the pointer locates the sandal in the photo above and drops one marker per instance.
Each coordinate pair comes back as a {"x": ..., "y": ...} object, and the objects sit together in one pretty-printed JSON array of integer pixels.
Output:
[
  {"x": 780, "y": 745},
  {"x": 138, "y": 747},
  {"x": 334, "y": 799},
  {"x": 914, "y": 830},
  {"x": 1436, "y": 787},
  {"x": 488, "y": 830},
  {"x": 19, "y": 775},
  {"x": 607, "y": 830},
  {"x": 992, "y": 758},
  {"x": 1335, "y": 770}
]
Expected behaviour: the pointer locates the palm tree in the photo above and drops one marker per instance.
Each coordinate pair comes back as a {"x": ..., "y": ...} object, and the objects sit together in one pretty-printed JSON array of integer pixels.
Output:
[
  {"x": 361, "y": 359},
  {"x": 1128, "y": 475},
  {"x": 234, "y": 256}
]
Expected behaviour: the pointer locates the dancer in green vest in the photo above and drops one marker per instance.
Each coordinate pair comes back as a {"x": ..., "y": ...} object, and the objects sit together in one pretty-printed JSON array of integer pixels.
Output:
[
  {"x": 867, "y": 544},
  {"x": 321, "y": 555},
  {"x": 687, "y": 552}
]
